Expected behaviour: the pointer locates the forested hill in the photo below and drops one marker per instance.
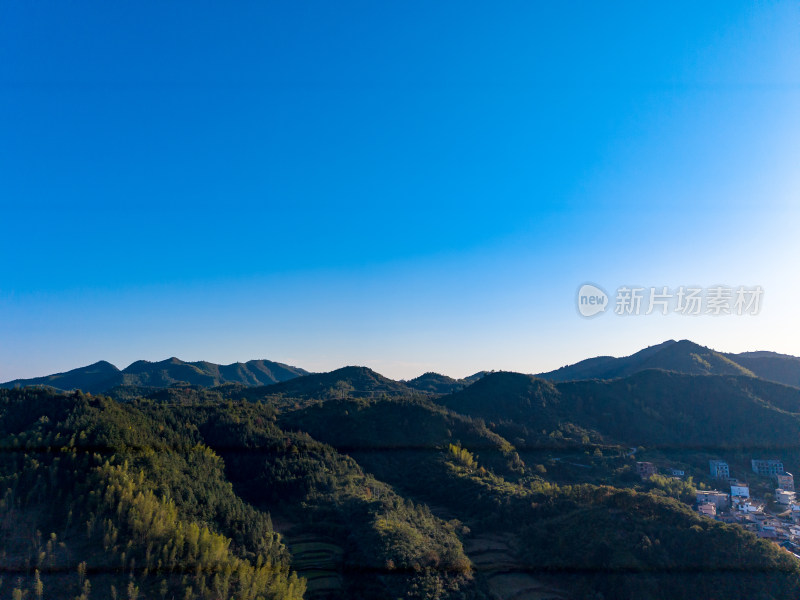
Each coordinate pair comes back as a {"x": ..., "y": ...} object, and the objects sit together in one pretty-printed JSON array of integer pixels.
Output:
[
  {"x": 341, "y": 383},
  {"x": 651, "y": 408},
  {"x": 770, "y": 365},
  {"x": 96, "y": 377},
  {"x": 512, "y": 488},
  {"x": 150, "y": 500},
  {"x": 683, "y": 357},
  {"x": 101, "y": 500},
  {"x": 434, "y": 383},
  {"x": 103, "y": 376}
]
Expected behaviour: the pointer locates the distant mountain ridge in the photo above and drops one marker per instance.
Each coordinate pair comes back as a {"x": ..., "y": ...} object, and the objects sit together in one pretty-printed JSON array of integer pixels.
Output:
[
  {"x": 781, "y": 368},
  {"x": 681, "y": 356},
  {"x": 103, "y": 376},
  {"x": 687, "y": 357},
  {"x": 435, "y": 383},
  {"x": 90, "y": 378},
  {"x": 347, "y": 381}
]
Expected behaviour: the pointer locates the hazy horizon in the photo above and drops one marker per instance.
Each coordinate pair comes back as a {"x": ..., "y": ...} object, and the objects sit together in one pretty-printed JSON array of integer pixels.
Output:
[{"x": 123, "y": 366}]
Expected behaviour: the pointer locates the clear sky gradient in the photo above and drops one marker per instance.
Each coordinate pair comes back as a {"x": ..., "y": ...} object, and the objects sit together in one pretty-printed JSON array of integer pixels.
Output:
[{"x": 410, "y": 186}]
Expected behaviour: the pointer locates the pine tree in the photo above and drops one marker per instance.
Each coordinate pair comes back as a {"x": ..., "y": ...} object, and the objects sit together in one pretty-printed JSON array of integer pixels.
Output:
[
  {"x": 38, "y": 586},
  {"x": 87, "y": 589}
]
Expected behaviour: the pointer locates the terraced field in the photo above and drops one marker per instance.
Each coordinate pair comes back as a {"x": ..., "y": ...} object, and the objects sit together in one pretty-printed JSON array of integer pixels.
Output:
[
  {"x": 319, "y": 562},
  {"x": 495, "y": 560}
]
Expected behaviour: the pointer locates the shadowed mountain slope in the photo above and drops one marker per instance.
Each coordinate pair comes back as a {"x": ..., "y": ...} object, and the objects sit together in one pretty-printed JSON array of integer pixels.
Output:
[
  {"x": 347, "y": 381},
  {"x": 683, "y": 357},
  {"x": 98, "y": 376},
  {"x": 650, "y": 408},
  {"x": 782, "y": 368},
  {"x": 435, "y": 383}
]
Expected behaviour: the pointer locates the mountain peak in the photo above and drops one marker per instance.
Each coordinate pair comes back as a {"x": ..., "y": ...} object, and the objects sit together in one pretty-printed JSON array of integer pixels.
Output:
[
  {"x": 102, "y": 365},
  {"x": 435, "y": 383},
  {"x": 350, "y": 380},
  {"x": 102, "y": 376},
  {"x": 684, "y": 356}
]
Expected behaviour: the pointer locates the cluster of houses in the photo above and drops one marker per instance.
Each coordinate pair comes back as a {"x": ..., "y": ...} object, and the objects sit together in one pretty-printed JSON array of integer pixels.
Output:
[
  {"x": 740, "y": 491},
  {"x": 738, "y": 507}
]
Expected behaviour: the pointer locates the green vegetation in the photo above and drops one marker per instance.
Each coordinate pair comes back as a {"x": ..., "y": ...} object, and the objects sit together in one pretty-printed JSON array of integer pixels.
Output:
[
  {"x": 642, "y": 546},
  {"x": 130, "y": 504},
  {"x": 147, "y": 500},
  {"x": 682, "y": 357},
  {"x": 350, "y": 485},
  {"x": 652, "y": 408},
  {"x": 434, "y": 383}
]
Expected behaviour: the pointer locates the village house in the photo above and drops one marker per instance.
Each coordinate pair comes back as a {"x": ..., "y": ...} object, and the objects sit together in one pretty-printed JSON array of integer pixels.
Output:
[
  {"x": 707, "y": 509},
  {"x": 795, "y": 513},
  {"x": 739, "y": 489},
  {"x": 785, "y": 481},
  {"x": 767, "y": 531},
  {"x": 719, "y": 469},
  {"x": 767, "y": 468},
  {"x": 715, "y": 497},
  {"x": 645, "y": 469},
  {"x": 747, "y": 507}
]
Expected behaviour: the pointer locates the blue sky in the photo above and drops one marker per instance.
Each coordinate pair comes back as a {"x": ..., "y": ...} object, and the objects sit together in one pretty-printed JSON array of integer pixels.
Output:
[{"x": 410, "y": 186}]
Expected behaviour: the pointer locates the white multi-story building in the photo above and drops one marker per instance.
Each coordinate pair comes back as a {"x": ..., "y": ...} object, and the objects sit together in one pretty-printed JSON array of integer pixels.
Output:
[{"x": 739, "y": 490}]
